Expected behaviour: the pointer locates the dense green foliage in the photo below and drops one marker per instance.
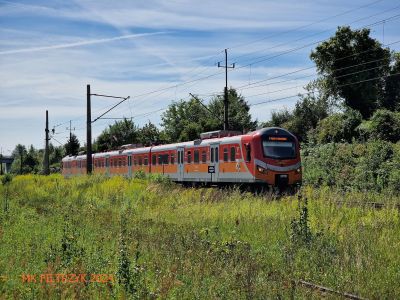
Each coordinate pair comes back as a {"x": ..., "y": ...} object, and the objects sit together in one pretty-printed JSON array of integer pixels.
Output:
[
  {"x": 306, "y": 115},
  {"x": 191, "y": 243},
  {"x": 72, "y": 146},
  {"x": 352, "y": 56},
  {"x": 338, "y": 127},
  {"x": 32, "y": 159},
  {"x": 126, "y": 132},
  {"x": 185, "y": 120},
  {"x": 370, "y": 167},
  {"x": 357, "y": 87},
  {"x": 383, "y": 125}
]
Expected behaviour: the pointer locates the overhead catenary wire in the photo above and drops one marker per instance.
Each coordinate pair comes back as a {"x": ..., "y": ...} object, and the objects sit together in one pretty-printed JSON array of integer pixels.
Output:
[
  {"x": 308, "y": 93},
  {"x": 311, "y": 67},
  {"x": 264, "y": 58},
  {"x": 320, "y": 32},
  {"x": 306, "y": 26}
]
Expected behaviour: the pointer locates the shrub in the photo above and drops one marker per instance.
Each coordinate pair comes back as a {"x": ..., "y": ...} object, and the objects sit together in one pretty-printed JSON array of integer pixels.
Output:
[
  {"x": 340, "y": 127},
  {"x": 385, "y": 125},
  {"x": 369, "y": 166}
]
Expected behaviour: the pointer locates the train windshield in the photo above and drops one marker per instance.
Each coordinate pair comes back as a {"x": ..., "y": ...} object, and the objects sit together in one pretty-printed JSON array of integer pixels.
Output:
[{"x": 279, "y": 147}]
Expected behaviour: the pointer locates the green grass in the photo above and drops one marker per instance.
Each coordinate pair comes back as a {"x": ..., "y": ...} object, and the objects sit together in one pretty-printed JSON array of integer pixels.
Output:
[{"x": 163, "y": 241}]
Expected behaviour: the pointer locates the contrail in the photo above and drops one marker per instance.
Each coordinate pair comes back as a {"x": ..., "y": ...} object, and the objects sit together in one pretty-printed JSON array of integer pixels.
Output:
[{"x": 77, "y": 44}]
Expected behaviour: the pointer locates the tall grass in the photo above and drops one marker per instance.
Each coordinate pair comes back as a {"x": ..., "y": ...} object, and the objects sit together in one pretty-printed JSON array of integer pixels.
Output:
[{"x": 159, "y": 240}]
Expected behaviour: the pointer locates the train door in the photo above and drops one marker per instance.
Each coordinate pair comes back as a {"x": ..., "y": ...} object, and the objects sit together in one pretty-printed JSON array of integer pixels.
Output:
[
  {"x": 214, "y": 162},
  {"x": 107, "y": 165},
  {"x": 181, "y": 169},
  {"x": 129, "y": 165}
]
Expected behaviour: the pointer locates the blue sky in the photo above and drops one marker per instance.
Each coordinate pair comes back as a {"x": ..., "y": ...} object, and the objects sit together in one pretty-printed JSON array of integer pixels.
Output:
[{"x": 50, "y": 50}]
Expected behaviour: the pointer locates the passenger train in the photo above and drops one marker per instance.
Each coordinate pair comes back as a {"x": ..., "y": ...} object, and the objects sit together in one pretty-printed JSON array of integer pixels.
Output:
[{"x": 268, "y": 156}]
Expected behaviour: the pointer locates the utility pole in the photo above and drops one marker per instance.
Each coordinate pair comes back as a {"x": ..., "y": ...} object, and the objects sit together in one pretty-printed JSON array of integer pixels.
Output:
[
  {"x": 88, "y": 133},
  {"x": 46, "y": 168},
  {"x": 21, "y": 153},
  {"x": 70, "y": 134},
  {"x": 70, "y": 130},
  {"x": 1, "y": 161},
  {"x": 89, "y": 163},
  {"x": 226, "y": 101}
]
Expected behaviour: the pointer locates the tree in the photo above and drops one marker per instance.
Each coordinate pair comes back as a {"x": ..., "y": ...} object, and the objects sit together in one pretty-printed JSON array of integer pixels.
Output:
[
  {"x": 239, "y": 112},
  {"x": 384, "y": 125},
  {"x": 19, "y": 154},
  {"x": 354, "y": 67},
  {"x": 26, "y": 161},
  {"x": 149, "y": 134},
  {"x": 392, "y": 88},
  {"x": 56, "y": 155},
  {"x": 120, "y": 133},
  {"x": 308, "y": 111},
  {"x": 72, "y": 146},
  {"x": 180, "y": 115},
  {"x": 339, "y": 127},
  {"x": 31, "y": 160},
  {"x": 185, "y": 120},
  {"x": 278, "y": 117}
]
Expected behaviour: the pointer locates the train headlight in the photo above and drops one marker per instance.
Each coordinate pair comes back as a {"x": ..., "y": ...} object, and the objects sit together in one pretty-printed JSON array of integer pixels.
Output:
[
  {"x": 261, "y": 170},
  {"x": 298, "y": 170}
]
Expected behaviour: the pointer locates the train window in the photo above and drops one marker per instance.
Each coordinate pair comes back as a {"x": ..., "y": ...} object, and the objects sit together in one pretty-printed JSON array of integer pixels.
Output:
[
  {"x": 189, "y": 157},
  {"x": 203, "y": 156},
  {"x": 163, "y": 159},
  {"x": 279, "y": 147},
  {"x": 134, "y": 161},
  {"x": 146, "y": 161},
  {"x": 248, "y": 152},
  {"x": 153, "y": 159},
  {"x": 172, "y": 158},
  {"x": 196, "y": 156},
  {"x": 233, "y": 153},
  {"x": 216, "y": 154},
  {"x": 140, "y": 161},
  {"x": 225, "y": 154},
  {"x": 107, "y": 162},
  {"x": 212, "y": 155}
]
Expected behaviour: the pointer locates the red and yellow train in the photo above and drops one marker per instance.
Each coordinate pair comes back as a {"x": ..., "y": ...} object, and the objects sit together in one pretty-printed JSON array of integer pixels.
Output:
[{"x": 268, "y": 156}]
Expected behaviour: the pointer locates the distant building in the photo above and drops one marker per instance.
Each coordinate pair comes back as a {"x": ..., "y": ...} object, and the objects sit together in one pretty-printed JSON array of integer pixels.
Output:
[{"x": 6, "y": 162}]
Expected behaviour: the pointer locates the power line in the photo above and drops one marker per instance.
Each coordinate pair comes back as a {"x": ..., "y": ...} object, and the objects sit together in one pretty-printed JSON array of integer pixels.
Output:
[
  {"x": 318, "y": 33},
  {"x": 305, "y": 26},
  {"x": 311, "y": 67},
  {"x": 304, "y": 94},
  {"x": 264, "y": 58}
]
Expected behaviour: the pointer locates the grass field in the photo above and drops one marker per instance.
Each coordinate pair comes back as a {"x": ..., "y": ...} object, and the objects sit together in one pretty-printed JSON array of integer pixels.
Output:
[{"x": 158, "y": 240}]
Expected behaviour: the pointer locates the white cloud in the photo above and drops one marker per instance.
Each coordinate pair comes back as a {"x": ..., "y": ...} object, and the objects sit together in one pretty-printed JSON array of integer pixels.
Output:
[{"x": 77, "y": 44}]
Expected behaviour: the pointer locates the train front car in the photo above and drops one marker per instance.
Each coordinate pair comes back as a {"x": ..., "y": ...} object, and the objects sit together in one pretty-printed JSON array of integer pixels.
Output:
[{"x": 277, "y": 158}]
